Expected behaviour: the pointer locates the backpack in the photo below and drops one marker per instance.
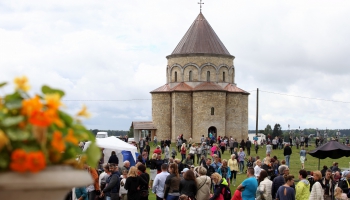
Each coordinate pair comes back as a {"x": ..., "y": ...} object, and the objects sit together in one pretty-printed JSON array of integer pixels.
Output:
[{"x": 226, "y": 192}]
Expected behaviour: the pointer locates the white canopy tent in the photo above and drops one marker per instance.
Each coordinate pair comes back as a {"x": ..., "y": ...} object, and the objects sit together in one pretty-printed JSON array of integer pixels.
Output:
[{"x": 113, "y": 144}]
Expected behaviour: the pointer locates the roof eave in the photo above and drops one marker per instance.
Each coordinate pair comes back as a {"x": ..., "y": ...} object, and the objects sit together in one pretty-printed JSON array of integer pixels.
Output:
[{"x": 199, "y": 54}]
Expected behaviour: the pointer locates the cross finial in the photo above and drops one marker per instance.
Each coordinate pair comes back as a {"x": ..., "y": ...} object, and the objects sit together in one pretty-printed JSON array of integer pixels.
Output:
[{"x": 200, "y": 5}]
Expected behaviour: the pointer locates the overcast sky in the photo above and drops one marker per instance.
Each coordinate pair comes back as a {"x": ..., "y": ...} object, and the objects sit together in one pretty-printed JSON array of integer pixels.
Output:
[{"x": 115, "y": 50}]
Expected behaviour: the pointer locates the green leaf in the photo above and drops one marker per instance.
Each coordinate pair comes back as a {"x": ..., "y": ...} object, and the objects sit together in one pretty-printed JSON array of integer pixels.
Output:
[
  {"x": 4, "y": 160},
  {"x": 13, "y": 97},
  {"x": 18, "y": 135},
  {"x": 15, "y": 104},
  {"x": 10, "y": 121},
  {"x": 47, "y": 90},
  {"x": 66, "y": 118},
  {"x": 93, "y": 154},
  {"x": 2, "y": 84}
]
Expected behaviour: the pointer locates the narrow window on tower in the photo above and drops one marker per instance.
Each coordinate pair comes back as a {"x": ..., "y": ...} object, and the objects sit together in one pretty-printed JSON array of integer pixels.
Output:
[
  {"x": 175, "y": 76},
  {"x": 223, "y": 76},
  {"x": 208, "y": 75},
  {"x": 212, "y": 110},
  {"x": 190, "y": 75}
]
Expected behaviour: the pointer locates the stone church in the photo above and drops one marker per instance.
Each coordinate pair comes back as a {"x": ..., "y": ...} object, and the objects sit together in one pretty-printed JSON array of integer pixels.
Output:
[{"x": 200, "y": 95}]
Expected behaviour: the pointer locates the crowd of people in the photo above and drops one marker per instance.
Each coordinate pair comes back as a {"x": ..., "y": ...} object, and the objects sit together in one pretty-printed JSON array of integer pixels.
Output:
[{"x": 202, "y": 174}]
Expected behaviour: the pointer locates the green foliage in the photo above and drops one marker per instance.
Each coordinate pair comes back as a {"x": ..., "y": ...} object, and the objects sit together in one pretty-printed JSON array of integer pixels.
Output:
[
  {"x": 277, "y": 130},
  {"x": 47, "y": 90},
  {"x": 268, "y": 130},
  {"x": 131, "y": 133},
  {"x": 36, "y": 125},
  {"x": 2, "y": 84},
  {"x": 10, "y": 121}
]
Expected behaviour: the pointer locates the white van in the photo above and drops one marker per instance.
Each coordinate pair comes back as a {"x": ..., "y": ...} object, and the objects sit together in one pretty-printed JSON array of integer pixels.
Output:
[{"x": 101, "y": 135}]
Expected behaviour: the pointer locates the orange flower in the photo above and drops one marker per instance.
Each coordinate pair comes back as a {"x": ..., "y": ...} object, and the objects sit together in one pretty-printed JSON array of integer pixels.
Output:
[
  {"x": 22, "y": 83},
  {"x": 36, "y": 161},
  {"x": 40, "y": 118},
  {"x": 70, "y": 137},
  {"x": 18, "y": 160},
  {"x": 53, "y": 116},
  {"x": 53, "y": 101},
  {"x": 3, "y": 139},
  {"x": 57, "y": 141},
  {"x": 31, "y": 105},
  {"x": 83, "y": 112}
]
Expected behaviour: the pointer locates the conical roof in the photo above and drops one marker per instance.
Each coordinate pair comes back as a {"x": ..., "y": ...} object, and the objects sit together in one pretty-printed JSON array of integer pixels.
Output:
[{"x": 200, "y": 38}]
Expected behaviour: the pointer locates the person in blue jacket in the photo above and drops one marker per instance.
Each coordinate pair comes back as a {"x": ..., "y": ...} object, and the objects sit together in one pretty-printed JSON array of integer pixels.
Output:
[{"x": 81, "y": 193}]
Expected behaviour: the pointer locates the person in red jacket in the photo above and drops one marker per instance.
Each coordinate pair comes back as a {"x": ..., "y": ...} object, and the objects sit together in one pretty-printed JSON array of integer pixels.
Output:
[
  {"x": 237, "y": 195},
  {"x": 157, "y": 150}
]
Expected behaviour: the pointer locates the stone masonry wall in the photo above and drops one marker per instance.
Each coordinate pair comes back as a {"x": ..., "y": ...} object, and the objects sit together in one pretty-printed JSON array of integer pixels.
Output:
[
  {"x": 194, "y": 73},
  {"x": 234, "y": 116},
  {"x": 181, "y": 121},
  {"x": 199, "y": 61},
  {"x": 244, "y": 114},
  {"x": 161, "y": 111},
  {"x": 212, "y": 71},
  {"x": 179, "y": 74},
  {"x": 221, "y": 77},
  {"x": 202, "y": 118}
]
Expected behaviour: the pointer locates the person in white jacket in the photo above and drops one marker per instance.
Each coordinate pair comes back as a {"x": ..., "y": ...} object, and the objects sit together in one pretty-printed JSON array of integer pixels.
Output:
[
  {"x": 122, "y": 191},
  {"x": 317, "y": 191},
  {"x": 257, "y": 169},
  {"x": 265, "y": 187}
]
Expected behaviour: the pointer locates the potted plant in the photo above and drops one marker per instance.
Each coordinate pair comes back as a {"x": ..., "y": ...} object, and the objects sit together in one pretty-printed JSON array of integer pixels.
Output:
[{"x": 40, "y": 156}]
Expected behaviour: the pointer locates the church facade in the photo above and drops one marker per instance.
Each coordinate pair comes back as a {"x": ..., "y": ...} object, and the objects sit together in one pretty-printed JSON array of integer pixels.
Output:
[{"x": 200, "y": 95}]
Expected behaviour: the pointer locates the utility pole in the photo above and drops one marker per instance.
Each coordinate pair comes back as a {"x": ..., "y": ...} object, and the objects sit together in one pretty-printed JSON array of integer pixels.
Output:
[{"x": 257, "y": 111}]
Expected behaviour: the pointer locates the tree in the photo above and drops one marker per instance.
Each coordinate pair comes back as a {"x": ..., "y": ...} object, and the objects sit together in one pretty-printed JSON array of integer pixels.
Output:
[
  {"x": 131, "y": 133},
  {"x": 277, "y": 131},
  {"x": 268, "y": 130}
]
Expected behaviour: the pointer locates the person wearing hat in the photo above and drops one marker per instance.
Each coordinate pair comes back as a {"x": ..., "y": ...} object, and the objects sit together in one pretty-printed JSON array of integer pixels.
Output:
[{"x": 182, "y": 172}]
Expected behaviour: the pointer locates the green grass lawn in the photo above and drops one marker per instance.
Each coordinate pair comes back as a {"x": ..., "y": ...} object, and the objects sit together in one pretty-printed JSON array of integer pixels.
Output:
[{"x": 310, "y": 165}]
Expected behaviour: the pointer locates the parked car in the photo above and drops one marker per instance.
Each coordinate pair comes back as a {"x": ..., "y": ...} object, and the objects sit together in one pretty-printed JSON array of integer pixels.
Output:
[
  {"x": 101, "y": 135},
  {"x": 131, "y": 140}
]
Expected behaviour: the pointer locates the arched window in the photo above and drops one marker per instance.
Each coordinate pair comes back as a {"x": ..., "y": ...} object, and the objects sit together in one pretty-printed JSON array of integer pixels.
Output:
[
  {"x": 190, "y": 76},
  {"x": 208, "y": 75},
  {"x": 212, "y": 110},
  {"x": 175, "y": 76},
  {"x": 223, "y": 76}
]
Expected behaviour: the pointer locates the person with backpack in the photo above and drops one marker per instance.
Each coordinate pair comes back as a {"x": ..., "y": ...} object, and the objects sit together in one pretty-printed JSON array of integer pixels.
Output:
[
  {"x": 221, "y": 189},
  {"x": 203, "y": 184},
  {"x": 249, "y": 185}
]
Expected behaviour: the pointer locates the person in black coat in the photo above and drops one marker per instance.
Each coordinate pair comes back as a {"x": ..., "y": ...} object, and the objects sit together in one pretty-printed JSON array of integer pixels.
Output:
[
  {"x": 133, "y": 184},
  {"x": 242, "y": 145},
  {"x": 210, "y": 169},
  {"x": 143, "y": 187},
  {"x": 188, "y": 185},
  {"x": 248, "y": 144},
  {"x": 279, "y": 180},
  {"x": 113, "y": 158}
]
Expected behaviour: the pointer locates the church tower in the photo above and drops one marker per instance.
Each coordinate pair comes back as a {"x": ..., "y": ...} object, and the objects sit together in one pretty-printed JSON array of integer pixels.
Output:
[{"x": 200, "y": 95}]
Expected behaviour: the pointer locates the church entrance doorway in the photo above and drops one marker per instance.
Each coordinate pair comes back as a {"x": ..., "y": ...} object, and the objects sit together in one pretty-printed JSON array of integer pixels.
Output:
[{"x": 212, "y": 132}]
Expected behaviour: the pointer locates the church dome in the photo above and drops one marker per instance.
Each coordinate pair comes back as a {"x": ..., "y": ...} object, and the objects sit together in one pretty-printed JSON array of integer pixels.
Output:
[{"x": 200, "y": 38}]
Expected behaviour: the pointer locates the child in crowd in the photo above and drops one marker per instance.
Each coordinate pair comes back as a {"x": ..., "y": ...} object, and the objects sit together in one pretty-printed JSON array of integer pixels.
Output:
[
  {"x": 173, "y": 153},
  {"x": 122, "y": 191}
]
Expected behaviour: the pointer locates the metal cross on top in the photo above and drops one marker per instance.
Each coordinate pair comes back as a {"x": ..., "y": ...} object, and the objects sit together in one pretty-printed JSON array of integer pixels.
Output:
[{"x": 200, "y": 5}]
